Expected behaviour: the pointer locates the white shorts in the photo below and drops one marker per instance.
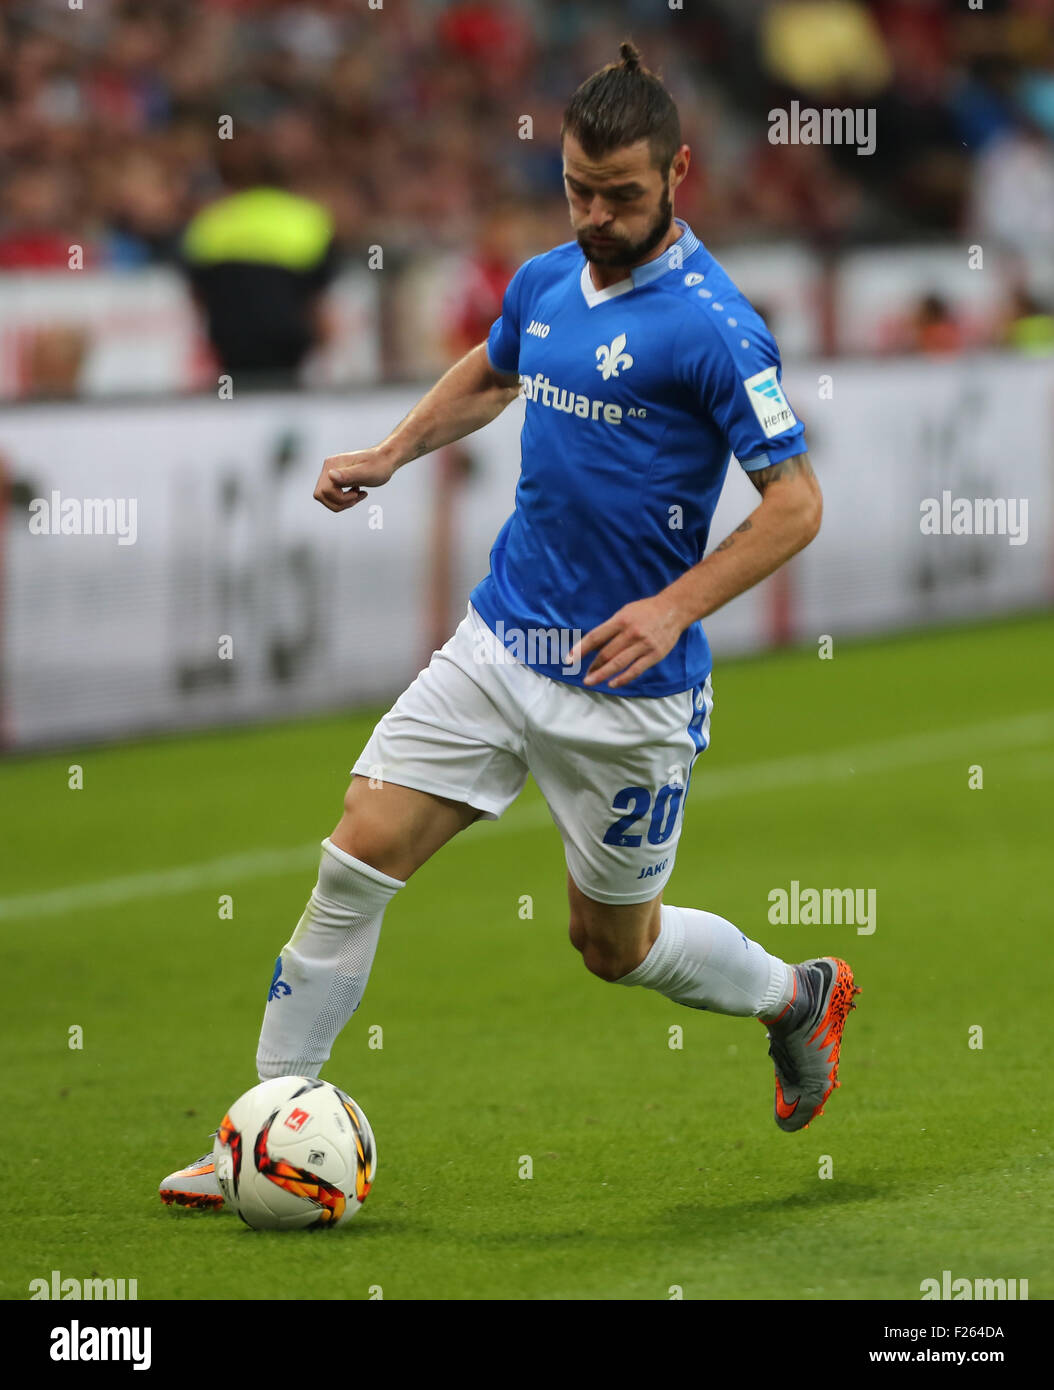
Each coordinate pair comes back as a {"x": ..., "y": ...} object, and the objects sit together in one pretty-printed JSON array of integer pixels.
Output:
[{"x": 613, "y": 770}]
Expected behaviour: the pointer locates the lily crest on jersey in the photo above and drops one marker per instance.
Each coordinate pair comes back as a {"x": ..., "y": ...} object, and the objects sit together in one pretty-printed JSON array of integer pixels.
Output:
[{"x": 611, "y": 359}]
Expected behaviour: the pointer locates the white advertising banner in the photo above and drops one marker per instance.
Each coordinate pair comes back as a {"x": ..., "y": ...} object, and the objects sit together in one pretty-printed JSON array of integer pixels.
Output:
[
  {"x": 231, "y": 593},
  {"x": 166, "y": 566},
  {"x": 938, "y": 480},
  {"x": 140, "y": 334}
]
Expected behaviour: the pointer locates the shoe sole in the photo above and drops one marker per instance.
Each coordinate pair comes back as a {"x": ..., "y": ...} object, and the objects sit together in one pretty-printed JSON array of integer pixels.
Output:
[{"x": 201, "y": 1201}]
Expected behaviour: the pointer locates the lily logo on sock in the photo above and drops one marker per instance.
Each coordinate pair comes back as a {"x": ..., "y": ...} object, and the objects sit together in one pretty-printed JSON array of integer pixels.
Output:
[{"x": 278, "y": 987}]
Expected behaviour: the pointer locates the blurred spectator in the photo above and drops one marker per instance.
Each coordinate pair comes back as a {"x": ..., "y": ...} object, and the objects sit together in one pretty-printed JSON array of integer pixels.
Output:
[
  {"x": 933, "y": 328},
  {"x": 795, "y": 191},
  {"x": 984, "y": 102},
  {"x": 492, "y": 36},
  {"x": 146, "y": 203},
  {"x": 919, "y": 39},
  {"x": 50, "y": 360},
  {"x": 34, "y": 234},
  {"x": 1012, "y": 203},
  {"x": 259, "y": 260},
  {"x": 1035, "y": 90},
  {"x": 825, "y": 48},
  {"x": 1030, "y": 325},
  {"x": 475, "y": 299}
]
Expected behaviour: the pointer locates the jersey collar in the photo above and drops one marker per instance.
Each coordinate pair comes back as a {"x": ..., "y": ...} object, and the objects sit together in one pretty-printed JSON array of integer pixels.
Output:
[{"x": 671, "y": 259}]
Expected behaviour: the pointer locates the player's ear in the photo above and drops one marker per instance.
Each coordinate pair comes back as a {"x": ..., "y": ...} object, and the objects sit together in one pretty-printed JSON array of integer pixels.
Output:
[{"x": 679, "y": 167}]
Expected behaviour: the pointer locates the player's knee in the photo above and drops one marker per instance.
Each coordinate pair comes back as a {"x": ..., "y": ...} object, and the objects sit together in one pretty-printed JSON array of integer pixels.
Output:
[
  {"x": 577, "y": 932},
  {"x": 607, "y": 951},
  {"x": 584, "y": 943},
  {"x": 607, "y": 959},
  {"x": 368, "y": 836}
]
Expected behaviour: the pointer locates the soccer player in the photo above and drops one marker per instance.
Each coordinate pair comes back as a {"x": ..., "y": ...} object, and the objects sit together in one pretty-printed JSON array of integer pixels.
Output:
[{"x": 582, "y": 658}]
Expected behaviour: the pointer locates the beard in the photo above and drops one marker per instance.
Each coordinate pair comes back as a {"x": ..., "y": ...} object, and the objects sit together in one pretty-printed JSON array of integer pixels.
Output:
[{"x": 620, "y": 250}]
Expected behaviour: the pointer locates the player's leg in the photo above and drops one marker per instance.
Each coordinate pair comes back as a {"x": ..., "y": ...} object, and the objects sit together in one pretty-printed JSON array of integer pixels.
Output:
[
  {"x": 386, "y": 833},
  {"x": 615, "y": 773},
  {"x": 446, "y": 754},
  {"x": 701, "y": 960},
  {"x": 705, "y": 962},
  {"x": 694, "y": 958}
]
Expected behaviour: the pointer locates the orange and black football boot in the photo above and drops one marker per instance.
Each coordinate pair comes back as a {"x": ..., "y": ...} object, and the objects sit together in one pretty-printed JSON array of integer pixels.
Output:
[{"x": 804, "y": 1042}]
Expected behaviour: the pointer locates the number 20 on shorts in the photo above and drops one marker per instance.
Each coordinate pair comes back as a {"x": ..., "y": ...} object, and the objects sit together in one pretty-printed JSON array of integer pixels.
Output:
[{"x": 635, "y": 801}]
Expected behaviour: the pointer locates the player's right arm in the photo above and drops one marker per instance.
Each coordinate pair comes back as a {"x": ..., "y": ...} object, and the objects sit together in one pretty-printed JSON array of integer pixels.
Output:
[{"x": 467, "y": 397}]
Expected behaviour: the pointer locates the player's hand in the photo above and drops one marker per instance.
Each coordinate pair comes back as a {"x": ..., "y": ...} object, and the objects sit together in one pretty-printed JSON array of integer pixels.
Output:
[
  {"x": 343, "y": 477},
  {"x": 636, "y": 637}
]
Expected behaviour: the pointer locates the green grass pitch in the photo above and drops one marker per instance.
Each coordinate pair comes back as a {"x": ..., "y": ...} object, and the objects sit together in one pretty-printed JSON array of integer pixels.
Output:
[{"x": 655, "y": 1169}]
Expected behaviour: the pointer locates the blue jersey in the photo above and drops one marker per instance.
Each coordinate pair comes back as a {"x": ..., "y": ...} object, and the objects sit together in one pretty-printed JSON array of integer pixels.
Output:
[{"x": 636, "y": 398}]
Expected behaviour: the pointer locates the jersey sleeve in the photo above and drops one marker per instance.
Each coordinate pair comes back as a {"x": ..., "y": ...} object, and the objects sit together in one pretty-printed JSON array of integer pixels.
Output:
[
  {"x": 503, "y": 341},
  {"x": 734, "y": 371}
]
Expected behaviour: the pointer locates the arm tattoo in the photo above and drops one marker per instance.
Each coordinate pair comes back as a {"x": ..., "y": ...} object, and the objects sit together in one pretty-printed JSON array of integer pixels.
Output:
[
  {"x": 731, "y": 540},
  {"x": 794, "y": 467}
]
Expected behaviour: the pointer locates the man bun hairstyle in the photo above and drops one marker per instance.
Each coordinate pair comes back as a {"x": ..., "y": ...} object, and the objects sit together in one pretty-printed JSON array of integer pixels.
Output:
[
  {"x": 621, "y": 104},
  {"x": 630, "y": 55}
]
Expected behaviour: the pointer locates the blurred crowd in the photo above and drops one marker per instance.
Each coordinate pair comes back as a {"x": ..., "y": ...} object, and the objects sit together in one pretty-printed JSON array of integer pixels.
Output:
[{"x": 405, "y": 123}]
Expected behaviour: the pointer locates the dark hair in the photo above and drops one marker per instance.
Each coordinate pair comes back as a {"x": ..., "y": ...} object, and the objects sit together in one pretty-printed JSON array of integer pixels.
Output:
[{"x": 621, "y": 104}]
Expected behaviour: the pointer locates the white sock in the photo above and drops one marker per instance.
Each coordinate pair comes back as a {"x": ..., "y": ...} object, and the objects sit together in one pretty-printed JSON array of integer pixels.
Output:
[
  {"x": 321, "y": 974},
  {"x": 700, "y": 960}
]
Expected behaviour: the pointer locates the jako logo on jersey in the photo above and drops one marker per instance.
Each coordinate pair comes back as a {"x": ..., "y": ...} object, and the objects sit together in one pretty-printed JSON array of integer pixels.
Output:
[
  {"x": 540, "y": 330},
  {"x": 539, "y": 388},
  {"x": 278, "y": 987},
  {"x": 693, "y": 278},
  {"x": 610, "y": 359}
]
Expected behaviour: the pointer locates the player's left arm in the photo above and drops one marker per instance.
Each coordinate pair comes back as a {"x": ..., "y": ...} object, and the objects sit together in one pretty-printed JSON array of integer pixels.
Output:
[{"x": 640, "y": 634}]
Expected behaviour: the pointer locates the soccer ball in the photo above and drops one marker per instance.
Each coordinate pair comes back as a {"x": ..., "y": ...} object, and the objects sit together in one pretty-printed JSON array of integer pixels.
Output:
[{"x": 295, "y": 1152}]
